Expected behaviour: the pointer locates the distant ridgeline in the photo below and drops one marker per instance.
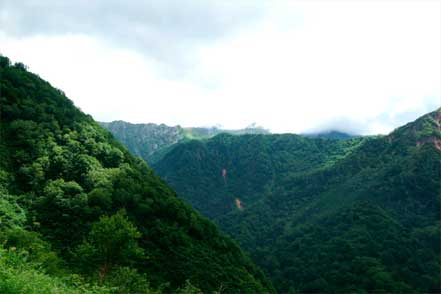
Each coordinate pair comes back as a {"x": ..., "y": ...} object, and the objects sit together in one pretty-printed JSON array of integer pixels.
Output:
[
  {"x": 360, "y": 215},
  {"x": 80, "y": 214},
  {"x": 338, "y": 135},
  {"x": 152, "y": 141}
]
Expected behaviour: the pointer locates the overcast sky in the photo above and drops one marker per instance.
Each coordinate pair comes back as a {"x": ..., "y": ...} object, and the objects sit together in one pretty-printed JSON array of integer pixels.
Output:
[{"x": 290, "y": 66}]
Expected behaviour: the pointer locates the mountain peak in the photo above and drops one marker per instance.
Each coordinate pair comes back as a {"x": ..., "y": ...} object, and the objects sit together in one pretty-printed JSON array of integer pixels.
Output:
[{"x": 424, "y": 130}]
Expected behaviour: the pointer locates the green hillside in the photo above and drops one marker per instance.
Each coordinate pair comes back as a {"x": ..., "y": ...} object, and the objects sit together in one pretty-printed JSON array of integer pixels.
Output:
[
  {"x": 79, "y": 214},
  {"x": 332, "y": 216}
]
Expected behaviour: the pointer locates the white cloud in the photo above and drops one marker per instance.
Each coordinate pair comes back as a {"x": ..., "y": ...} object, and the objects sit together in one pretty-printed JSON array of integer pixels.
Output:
[{"x": 365, "y": 66}]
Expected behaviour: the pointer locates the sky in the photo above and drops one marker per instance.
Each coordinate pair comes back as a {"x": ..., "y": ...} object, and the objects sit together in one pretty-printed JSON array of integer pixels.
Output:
[{"x": 363, "y": 67}]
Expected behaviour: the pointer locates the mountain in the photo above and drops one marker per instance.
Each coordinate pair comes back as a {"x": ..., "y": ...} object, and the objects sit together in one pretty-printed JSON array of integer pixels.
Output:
[
  {"x": 145, "y": 140},
  {"x": 80, "y": 214},
  {"x": 152, "y": 141},
  {"x": 322, "y": 215}
]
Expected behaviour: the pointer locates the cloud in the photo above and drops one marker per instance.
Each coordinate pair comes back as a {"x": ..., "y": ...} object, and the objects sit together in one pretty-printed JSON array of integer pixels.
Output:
[
  {"x": 380, "y": 124},
  {"x": 363, "y": 67},
  {"x": 357, "y": 64},
  {"x": 169, "y": 31}
]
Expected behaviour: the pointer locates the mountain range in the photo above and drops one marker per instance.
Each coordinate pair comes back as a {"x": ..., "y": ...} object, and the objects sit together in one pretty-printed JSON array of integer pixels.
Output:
[
  {"x": 207, "y": 210},
  {"x": 151, "y": 141}
]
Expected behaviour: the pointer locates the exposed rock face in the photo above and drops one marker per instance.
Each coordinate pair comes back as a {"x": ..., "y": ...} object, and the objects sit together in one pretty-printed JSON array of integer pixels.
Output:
[
  {"x": 145, "y": 139},
  {"x": 238, "y": 204},
  {"x": 425, "y": 130}
]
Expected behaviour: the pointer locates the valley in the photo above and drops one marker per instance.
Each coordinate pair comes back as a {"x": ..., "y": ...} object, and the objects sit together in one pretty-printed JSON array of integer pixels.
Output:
[{"x": 298, "y": 202}]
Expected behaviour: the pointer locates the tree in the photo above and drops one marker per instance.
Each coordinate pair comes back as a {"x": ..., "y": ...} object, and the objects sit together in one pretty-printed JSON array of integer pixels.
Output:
[
  {"x": 111, "y": 242},
  {"x": 11, "y": 214},
  {"x": 59, "y": 208}
]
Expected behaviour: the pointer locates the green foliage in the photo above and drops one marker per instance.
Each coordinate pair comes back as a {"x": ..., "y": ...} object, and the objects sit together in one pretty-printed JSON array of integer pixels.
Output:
[
  {"x": 19, "y": 276},
  {"x": 11, "y": 214},
  {"x": 36, "y": 250},
  {"x": 128, "y": 280},
  {"x": 59, "y": 208},
  {"x": 188, "y": 288},
  {"x": 111, "y": 242}
]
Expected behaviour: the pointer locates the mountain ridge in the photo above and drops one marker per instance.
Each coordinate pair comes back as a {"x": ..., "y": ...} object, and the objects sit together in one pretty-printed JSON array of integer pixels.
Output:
[{"x": 151, "y": 141}]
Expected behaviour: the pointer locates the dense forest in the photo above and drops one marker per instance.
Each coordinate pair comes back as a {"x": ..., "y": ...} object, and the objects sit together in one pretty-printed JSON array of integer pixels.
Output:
[
  {"x": 80, "y": 214},
  {"x": 212, "y": 174},
  {"x": 360, "y": 215}
]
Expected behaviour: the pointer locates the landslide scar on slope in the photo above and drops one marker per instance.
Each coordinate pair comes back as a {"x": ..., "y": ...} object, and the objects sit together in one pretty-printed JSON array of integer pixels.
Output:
[{"x": 238, "y": 204}]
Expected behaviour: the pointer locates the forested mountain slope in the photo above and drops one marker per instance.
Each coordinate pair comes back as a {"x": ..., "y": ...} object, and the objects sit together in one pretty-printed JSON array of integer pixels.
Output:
[
  {"x": 361, "y": 215},
  {"x": 79, "y": 214},
  {"x": 151, "y": 141},
  {"x": 214, "y": 175}
]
